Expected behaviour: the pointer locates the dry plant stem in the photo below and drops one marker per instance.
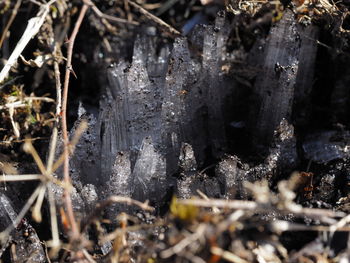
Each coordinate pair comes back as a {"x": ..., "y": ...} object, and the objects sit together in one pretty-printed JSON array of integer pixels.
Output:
[
  {"x": 53, "y": 139},
  {"x": 227, "y": 255},
  {"x": 23, "y": 177},
  {"x": 205, "y": 197},
  {"x": 55, "y": 243},
  {"x": 28, "y": 147},
  {"x": 128, "y": 201},
  {"x": 36, "y": 212},
  {"x": 81, "y": 128},
  {"x": 67, "y": 199},
  {"x": 112, "y": 18},
  {"x": 280, "y": 226},
  {"x": 159, "y": 21},
  {"x": 184, "y": 242},
  {"x": 192, "y": 258},
  {"x": 9, "y": 23},
  {"x": 22, "y": 103},
  {"x": 256, "y": 207},
  {"x": 111, "y": 236},
  {"x": 7, "y": 231}
]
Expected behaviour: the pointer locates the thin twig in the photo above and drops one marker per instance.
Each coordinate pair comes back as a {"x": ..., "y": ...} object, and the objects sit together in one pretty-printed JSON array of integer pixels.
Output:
[
  {"x": 112, "y": 18},
  {"x": 9, "y": 23},
  {"x": 112, "y": 235},
  {"x": 54, "y": 136},
  {"x": 184, "y": 242},
  {"x": 7, "y": 231},
  {"x": 71, "y": 145},
  {"x": 159, "y": 21},
  {"x": 67, "y": 199}
]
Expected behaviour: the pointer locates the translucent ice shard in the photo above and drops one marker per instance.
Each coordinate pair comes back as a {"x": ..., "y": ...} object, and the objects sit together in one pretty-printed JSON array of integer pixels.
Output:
[
  {"x": 173, "y": 106},
  {"x": 187, "y": 160},
  {"x": 157, "y": 103},
  {"x": 90, "y": 197},
  {"x": 188, "y": 166},
  {"x": 149, "y": 174},
  {"x": 326, "y": 146},
  {"x": 120, "y": 182},
  {"x": 189, "y": 186},
  {"x": 283, "y": 157},
  {"x": 28, "y": 245},
  {"x": 340, "y": 97},
  {"x": 85, "y": 164},
  {"x": 305, "y": 75},
  {"x": 231, "y": 173},
  {"x": 213, "y": 50},
  {"x": 78, "y": 203},
  {"x": 274, "y": 85},
  {"x": 144, "y": 103},
  {"x": 113, "y": 119},
  {"x": 191, "y": 180}
]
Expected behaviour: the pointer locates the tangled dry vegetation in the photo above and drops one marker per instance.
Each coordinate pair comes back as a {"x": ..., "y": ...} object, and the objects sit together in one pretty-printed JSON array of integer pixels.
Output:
[{"x": 37, "y": 50}]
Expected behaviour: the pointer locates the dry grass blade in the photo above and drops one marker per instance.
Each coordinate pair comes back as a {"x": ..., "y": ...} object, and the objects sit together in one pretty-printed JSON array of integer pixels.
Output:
[
  {"x": 31, "y": 30},
  {"x": 4, "y": 235},
  {"x": 28, "y": 148}
]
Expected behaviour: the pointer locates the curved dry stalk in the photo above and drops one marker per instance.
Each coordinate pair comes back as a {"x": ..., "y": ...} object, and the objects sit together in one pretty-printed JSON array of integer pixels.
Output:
[
  {"x": 67, "y": 198},
  {"x": 157, "y": 20},
  {"x": 4, "y": 234},
  {"x": 9, "y": 23}
]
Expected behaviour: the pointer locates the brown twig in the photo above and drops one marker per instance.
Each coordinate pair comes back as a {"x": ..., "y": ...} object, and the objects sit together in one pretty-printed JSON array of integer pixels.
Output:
[
  {"x": 112, "y": 18},
  {"x": 152, "y": 17},
  {"x": 9, "y": 23},
  {"x": 67, "y": 198}
]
